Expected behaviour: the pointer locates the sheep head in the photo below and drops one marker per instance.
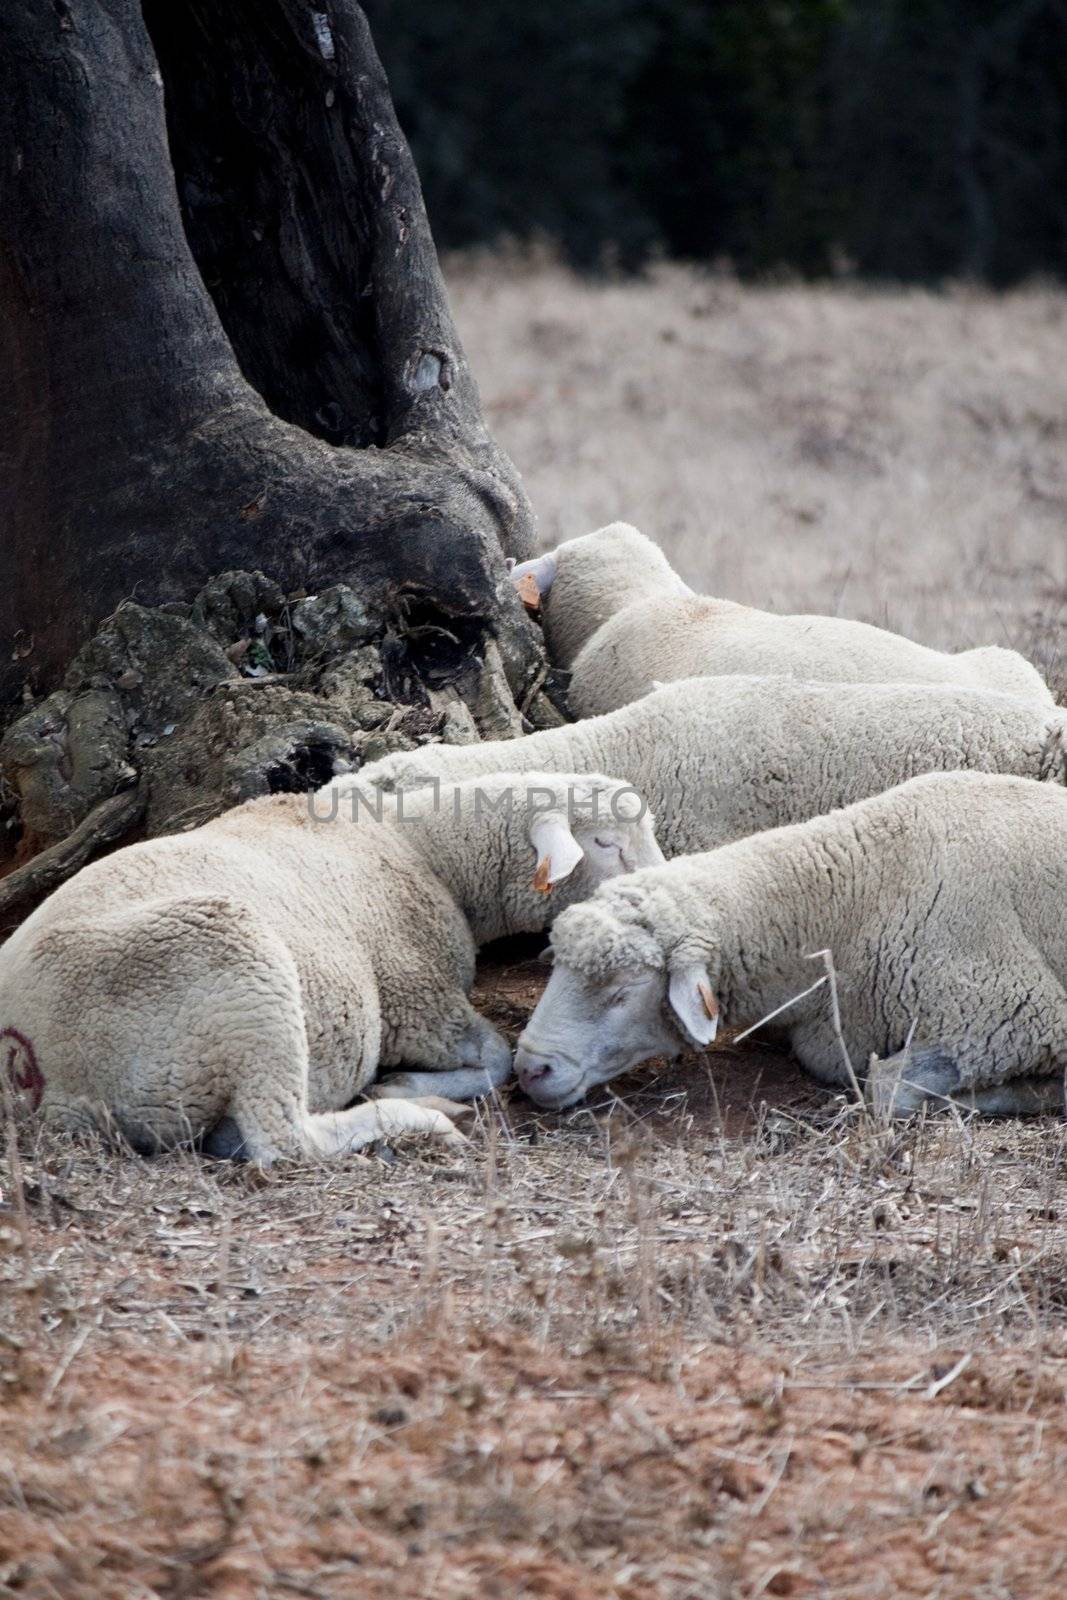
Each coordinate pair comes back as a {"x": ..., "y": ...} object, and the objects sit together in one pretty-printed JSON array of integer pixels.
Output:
[
  {"x": 584, "y": 581},
  {"x": 615, "y": 998}
]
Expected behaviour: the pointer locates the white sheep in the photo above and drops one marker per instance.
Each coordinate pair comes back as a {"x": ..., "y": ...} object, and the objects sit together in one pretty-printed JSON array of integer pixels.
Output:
[
  {"x": 941, "y": 902},
  {"x": 620, "y": 618},
  {"x": 256, "y": 974},
  {"x": 719, "y": 758}
]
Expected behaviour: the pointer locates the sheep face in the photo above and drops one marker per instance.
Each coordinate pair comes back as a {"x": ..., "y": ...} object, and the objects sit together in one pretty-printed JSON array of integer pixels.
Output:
[
  {"x": 605, "y": 848},
  {"x": 617, "y": 995},
  {"x": 601, "y": 830},
  {"x": 586, "y": 1030}
]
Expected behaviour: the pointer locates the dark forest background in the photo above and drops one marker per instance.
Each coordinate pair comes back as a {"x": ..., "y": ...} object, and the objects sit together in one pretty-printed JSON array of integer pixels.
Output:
[{"x": 904, "y": 139}]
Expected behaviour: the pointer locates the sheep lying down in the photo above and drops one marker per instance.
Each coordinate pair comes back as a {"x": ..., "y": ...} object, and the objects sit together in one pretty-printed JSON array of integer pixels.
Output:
[
  {"x": 942, "y": 902},
  {"x": 719, "y": 758},
  {"x": 621, "y": 619},
  {"x": 245, "y": 981}
]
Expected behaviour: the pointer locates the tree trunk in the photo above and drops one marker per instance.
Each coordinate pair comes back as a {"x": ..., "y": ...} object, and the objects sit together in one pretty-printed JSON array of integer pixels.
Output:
[{"x": 264, "y": 374}]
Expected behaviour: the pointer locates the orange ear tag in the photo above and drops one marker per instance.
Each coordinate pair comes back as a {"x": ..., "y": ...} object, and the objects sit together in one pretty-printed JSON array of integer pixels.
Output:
[
  {"x": 711, "y": 1005},
  {"x": 540, "y": 877},
  {"x": 528, "y": 591}
]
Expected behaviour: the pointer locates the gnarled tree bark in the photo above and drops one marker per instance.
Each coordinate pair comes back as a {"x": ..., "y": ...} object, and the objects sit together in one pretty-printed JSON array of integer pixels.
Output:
[{"x": 225, "y": 341}]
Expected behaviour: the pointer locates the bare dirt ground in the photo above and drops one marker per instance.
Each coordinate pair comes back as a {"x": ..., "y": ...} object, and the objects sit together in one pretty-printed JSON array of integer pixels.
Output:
[{"x": 716, "y": 1335}]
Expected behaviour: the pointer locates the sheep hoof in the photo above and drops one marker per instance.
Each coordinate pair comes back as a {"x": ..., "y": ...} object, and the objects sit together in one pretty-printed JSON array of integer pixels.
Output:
[
  {"x": 899, "y": 1085},
  {"x": 392, "y": 1119},
  {"x": 452, "y": 1109}
]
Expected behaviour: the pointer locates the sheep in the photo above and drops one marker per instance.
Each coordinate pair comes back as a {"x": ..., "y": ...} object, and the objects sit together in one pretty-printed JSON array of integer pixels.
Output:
[
  {"x": 617, "y": 615},
  {"x": 240, "y": 984},
  {"x": 719, "y": 758},
  {"x": 940, "y": 901}
]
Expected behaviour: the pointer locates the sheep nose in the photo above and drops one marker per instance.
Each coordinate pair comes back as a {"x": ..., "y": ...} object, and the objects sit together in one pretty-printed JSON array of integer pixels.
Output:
[{"x": 533, "y": 1069}]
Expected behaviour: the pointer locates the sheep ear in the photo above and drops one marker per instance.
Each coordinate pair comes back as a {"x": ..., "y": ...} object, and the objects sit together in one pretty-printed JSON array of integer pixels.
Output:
[
  {"x": 533, "y": 579},
  {"x": 693, "y": 1002},
  {"x": 558, "y": 852}
]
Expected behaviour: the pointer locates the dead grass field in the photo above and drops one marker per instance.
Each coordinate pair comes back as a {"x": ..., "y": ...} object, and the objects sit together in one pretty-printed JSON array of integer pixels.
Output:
[
  {"x": 718, "y": 1336},
  {"x": 895, "y": 456}
]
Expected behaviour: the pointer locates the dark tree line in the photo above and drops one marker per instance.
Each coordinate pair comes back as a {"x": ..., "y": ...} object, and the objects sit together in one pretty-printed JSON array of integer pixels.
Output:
[{"x": 912, "y": 139}]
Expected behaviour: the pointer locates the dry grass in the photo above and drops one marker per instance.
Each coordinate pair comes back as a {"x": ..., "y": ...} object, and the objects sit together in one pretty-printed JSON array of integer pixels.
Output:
[{"x": 724, "y": 1336}]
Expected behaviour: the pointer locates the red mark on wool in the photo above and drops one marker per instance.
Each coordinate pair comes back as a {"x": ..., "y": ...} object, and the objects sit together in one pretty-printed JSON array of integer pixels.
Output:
[{"x": 21, "y": 1062}]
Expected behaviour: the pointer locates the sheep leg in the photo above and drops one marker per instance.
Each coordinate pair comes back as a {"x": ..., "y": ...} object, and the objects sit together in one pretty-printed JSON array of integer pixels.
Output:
[
  {"x": 484, "y": 1058},
  {"x": 340, "y": 1132},
  {"x": 1020, "y": 1051},
  {"x": 1018, "y": 1097},
  {"x": 249, "y": 1135},
  {"x": 465, "y": 1083},
  {"x": 899, "y": 1085}
]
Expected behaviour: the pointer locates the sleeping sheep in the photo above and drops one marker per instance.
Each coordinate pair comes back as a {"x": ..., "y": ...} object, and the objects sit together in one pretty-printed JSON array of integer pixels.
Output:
[
  {"x": 621, "y": 619},
  {"x": 941, "y": 901},
  {"x": 253, "y": 976},
  {"x": 719, "y": 758}
]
